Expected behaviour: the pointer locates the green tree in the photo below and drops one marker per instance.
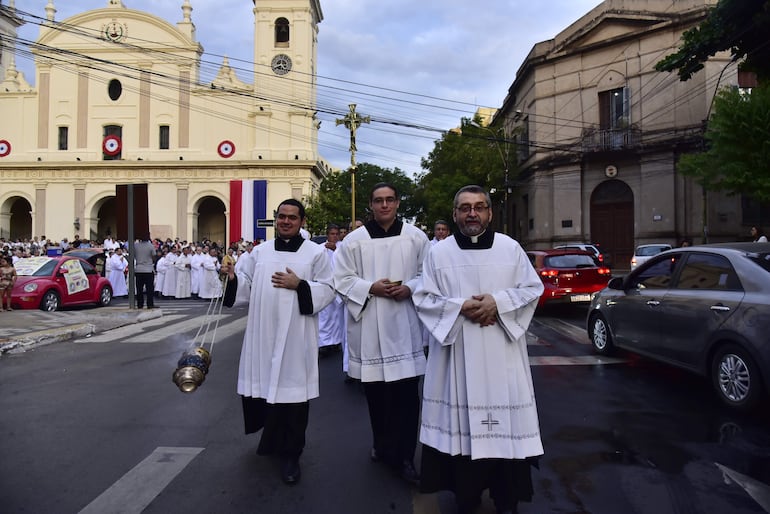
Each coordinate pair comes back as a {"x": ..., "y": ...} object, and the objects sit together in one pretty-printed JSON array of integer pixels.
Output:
[
  {"x": 332, "y": 202},
  {"x": 741, "y": 26},
  {"x": 469, "y": 155},
  {"x": 737, "y": 159}
]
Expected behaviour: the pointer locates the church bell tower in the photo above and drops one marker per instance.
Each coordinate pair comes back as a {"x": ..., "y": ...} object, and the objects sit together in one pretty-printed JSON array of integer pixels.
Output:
[{"x": 285, "y": 65}]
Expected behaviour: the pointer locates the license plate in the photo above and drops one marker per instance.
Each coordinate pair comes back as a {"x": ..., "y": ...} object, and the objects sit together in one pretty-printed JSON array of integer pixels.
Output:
[{"x": 580, "y": 298}]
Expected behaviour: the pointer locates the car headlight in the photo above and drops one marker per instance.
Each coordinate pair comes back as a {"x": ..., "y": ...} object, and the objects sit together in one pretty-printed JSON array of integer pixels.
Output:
[{"x": 31, "y": 287}]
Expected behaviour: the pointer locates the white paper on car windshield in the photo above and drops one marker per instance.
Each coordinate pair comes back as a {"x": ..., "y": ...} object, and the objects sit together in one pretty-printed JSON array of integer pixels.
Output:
[
  {"x": 29, "y": 266},
  {"x": 75, "y": 277}
]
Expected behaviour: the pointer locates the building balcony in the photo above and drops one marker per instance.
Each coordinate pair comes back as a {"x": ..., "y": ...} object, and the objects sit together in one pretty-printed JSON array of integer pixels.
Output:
[{"x": 609, "y": 140}]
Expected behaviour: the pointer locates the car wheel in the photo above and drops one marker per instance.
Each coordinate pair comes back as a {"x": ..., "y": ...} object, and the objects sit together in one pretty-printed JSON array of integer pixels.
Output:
[
  {"x": 736, "y": 377},
  {"x": 105, "y": 296},
  {"x": 50, "y": 302},
  {"x": 600, "y": 336}
]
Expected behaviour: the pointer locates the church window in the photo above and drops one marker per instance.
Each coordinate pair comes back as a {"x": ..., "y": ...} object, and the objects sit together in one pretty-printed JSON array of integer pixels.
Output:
[
  {"x": 164, "y": 135},
  {"x": 63, "y": 138},
  {"x": 114, "y": 89},
  {"x": 281, "y": 32},
  {"x": 117, "y": 131},
  {"x": 613, "y": 109}
]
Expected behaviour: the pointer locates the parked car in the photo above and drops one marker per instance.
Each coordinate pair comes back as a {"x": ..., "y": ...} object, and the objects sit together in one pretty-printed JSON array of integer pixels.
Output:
[
  {"x": 50, "y": 283},
  {"x": 588, "y": 247},
  {"x": 702, "y": 308},
  {"x": 643, "y": 253},
  {"x": 97, "y": 257},
  {"x": 569, "y": 276}
]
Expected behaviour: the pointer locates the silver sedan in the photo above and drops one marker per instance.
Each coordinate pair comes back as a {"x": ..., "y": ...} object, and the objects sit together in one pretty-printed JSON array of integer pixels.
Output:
[{"x": 703, "y": 308}]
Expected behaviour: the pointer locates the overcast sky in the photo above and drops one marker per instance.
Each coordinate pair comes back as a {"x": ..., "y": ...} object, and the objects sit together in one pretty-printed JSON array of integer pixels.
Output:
[{"x": 415, "y": 66}]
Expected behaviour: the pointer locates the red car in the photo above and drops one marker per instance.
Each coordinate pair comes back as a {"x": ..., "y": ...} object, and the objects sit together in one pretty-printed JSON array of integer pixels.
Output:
[
  {"x": 50, "y": 283},
  {"x": 569, "y": 276}
]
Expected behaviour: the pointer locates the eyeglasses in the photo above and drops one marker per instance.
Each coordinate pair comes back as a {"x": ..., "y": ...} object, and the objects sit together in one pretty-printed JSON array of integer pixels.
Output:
[
  {"x": 479, "y": 208},
  {"x": 383, "y": 200}
]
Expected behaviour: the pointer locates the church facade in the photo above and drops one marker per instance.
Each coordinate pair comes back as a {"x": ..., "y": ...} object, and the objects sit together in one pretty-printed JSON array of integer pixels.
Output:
[
  {"x": 118, "y": 99},
  {"x": 600, "y": 133}
]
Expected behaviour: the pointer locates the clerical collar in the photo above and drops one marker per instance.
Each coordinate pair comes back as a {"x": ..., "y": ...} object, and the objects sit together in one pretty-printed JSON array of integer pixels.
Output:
[
  {"x": 289, "y": 245},
  {"x": 376, "y": 231},
  {"x": 481, "y": 242}
]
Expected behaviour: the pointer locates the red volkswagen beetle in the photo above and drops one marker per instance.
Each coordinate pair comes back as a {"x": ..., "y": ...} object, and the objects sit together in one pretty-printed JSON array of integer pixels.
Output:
[{"x": 50, "y": 283}]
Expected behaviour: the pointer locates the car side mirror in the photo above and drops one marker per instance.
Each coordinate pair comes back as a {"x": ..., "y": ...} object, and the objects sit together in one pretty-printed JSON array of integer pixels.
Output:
[{"x": 616, "y": 283}]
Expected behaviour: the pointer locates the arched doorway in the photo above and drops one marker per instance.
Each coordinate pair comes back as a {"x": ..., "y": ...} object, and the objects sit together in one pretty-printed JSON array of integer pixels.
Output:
[
  {"x": 211, "y": 220},
  {"x": 16, "y": 219},
  {"x": 106, "y": 219},
  {"x": 612, "y": 221}
]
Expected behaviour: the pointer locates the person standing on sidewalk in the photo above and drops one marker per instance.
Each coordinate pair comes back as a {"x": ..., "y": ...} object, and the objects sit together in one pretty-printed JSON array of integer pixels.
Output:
[
  {"x": 7, "y": 280},
  {"x": 480, "y": 427},
  {"x": 376, "y": 269},
  {"x": 144, "y": 273}
]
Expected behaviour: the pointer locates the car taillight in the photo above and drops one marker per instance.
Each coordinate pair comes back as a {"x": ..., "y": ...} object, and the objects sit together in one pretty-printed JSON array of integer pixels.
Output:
[
  {"x": 604, "y": 271},
  {"x": 633, "y": 261},
  {"x": 600, "y": 258},
  {"x": 549, "y": 273}
]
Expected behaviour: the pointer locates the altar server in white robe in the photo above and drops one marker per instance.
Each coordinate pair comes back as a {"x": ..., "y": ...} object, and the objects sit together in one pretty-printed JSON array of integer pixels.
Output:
[
  {"x": 161, "y": 266},
  {"x": 290, "y": 281},
  {"x": 375, "y": 270},
  {"x": 183, "y": 277},
  {"x": 211, "y": 285},
  {"x": 196, "y": 270},
  {"x": 117, "y": 275},
  {"x": 330, "y": 320},
  {"x": 480, "y": 427},
  {"x": 169, "y": 283}
]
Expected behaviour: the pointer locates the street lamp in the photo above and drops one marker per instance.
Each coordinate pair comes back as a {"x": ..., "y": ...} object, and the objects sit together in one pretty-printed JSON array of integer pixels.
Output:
[{"x": 504, "y": 158}]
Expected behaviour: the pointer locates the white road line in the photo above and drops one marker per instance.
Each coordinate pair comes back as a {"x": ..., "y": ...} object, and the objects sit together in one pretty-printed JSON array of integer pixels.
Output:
[
  {"x": 580, "y": 360},
  {"x": 759, "y": 491},
  {"x": 189, "y": 327},
  {"x": 579, "y": 335},
  {"x": 117, "y": 334},
  {"x": 138, "y": 488}
]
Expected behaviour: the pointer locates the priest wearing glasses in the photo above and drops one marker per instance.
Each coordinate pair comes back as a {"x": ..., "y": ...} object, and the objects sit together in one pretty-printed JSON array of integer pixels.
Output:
[
  {"x": 290, "y": 281},
  {"x": 479, "y": 427}
]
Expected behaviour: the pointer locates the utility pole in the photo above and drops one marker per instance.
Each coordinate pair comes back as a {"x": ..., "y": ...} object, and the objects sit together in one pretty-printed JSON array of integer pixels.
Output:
[{"x": 352, "y": 121}]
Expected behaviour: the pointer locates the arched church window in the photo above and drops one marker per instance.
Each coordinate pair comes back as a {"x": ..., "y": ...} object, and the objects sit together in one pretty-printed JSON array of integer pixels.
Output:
[
  {"x": 282, "y": 32},
  {"x": 114, "y": 89}
]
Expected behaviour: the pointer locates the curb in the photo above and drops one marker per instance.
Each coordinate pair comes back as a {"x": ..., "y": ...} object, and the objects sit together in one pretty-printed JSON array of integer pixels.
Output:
[{"x": 57, "y": 335}]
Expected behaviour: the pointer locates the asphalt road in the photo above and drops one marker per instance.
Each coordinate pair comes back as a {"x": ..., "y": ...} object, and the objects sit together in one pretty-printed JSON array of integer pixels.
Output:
[{"x": 96, "y": 425}]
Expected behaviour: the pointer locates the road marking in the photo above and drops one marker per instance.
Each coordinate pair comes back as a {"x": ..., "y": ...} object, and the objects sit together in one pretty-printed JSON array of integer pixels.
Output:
[
  {"x": 579, "y": 335},
  {"x": 138, "y": 488},
  {"x": 580, "y": 360},
  {"x": 759, "y": 491},
  {"x": 191, "y": 326},
  {"x": 117, "y": 334}
]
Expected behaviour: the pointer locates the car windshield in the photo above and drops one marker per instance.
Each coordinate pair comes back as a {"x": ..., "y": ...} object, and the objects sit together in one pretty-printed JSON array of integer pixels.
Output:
[
  {"x": 648, "y": 251},
  {"x": 762, "y": 259},
  {"x": 35, "y": 267},
  {"x": 569, "y": 261}
]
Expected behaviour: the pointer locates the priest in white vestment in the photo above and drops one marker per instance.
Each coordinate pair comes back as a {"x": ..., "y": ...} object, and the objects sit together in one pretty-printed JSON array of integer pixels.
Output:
[
  {"x": 169, "y": 282},
  {"x": 211, "y": 285},
  {"x": 196, "y": 270},
  {"x": 183, "y": 276},
  {"x": 375, "y": 271},
  {"x": 117, "y": 275},
  {"x": 330, "y": 320},
  {"x": 290, "y": 281},
  {"x": 480, "y": 427},
  {"x": 160, "y": 271}
]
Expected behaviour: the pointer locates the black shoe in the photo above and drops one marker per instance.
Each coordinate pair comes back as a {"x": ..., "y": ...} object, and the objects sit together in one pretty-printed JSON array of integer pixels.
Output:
[
  {"x": 408, "y": 473},
  {"x": 290, "y": 471}
]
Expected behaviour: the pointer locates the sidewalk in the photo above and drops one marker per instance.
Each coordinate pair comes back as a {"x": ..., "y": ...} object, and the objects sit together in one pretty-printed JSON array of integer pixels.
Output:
[{"x": 21, "y": 330}]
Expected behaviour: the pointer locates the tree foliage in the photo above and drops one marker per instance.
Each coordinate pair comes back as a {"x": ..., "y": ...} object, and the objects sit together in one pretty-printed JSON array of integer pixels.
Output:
[
  {"x": 738, "y": 142},
  {"x": 332, "y": 202},
  {"x": 741, "y": 26},
  {"x": 470, "y": 155}
]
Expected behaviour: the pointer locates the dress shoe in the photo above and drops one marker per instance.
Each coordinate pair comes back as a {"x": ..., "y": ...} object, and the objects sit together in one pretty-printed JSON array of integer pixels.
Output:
[
  {"x": 290, "y": 471},
  {"x": 408, "y": 473}
]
